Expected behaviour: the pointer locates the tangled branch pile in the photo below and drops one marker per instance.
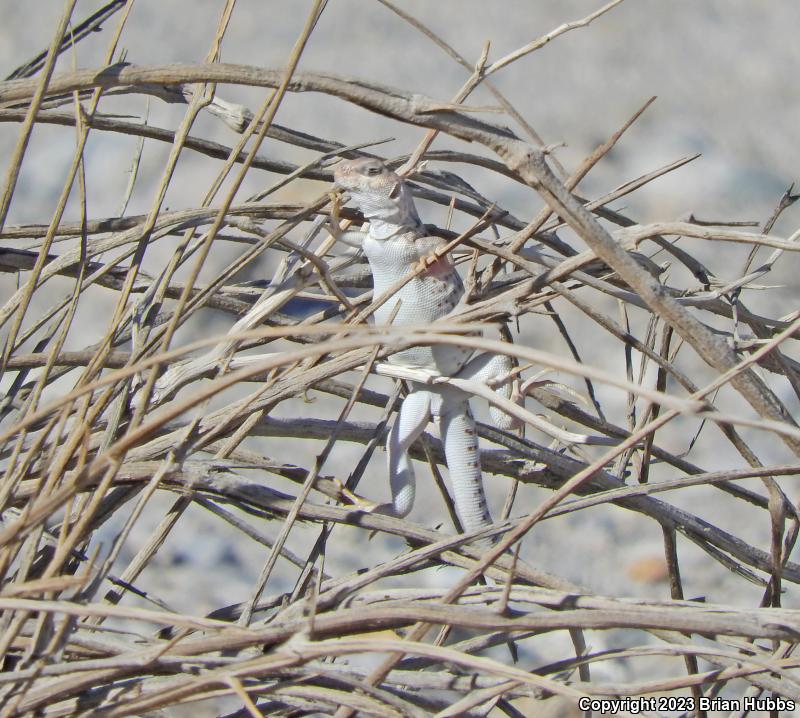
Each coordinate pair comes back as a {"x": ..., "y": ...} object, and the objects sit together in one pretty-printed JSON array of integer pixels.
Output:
[{"x": 95, "y": 436}]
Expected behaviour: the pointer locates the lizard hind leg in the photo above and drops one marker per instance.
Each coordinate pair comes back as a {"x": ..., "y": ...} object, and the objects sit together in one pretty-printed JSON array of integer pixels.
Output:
[
  {"x": 413, "y": 417},
  {"x": 460, "y": 440},
  {"x": 486, "y": 367}
]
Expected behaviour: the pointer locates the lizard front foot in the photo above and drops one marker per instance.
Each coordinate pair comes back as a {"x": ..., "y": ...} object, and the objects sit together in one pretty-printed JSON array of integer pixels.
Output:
[{"x": 425, "y": 262}]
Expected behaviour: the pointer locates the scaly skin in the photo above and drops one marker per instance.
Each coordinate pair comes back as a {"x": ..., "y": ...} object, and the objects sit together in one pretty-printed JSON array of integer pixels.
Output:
[{"x": 396, "y": 243}]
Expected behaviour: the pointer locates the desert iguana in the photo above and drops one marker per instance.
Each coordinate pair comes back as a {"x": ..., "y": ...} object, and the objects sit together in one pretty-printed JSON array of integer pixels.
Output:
[{"x": 396, "y": 243}]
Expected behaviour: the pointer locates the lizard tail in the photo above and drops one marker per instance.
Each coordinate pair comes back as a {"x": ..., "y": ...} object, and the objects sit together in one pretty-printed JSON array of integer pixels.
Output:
[
  {"x": 460, "y": 440},
  {"x": 411, "y": 420}
]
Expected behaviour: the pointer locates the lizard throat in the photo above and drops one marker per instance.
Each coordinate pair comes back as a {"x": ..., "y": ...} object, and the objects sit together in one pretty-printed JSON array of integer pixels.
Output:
[{"x": 389, "y": 216}]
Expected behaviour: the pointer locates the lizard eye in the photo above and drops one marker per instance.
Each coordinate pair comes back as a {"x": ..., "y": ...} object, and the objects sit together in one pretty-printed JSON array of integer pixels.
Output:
[{"x": 372, "y": 171}]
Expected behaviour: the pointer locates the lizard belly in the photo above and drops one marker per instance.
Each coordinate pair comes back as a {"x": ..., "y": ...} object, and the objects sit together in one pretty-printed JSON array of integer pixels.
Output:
[{"x": 428, "y": 297}]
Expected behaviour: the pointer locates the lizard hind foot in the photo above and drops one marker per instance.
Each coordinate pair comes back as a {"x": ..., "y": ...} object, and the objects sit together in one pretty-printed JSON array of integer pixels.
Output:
[
  {"x": 509, "y": 390},
  {"x": 493, "y": 369},
  {"x": 503, "y": 420}
]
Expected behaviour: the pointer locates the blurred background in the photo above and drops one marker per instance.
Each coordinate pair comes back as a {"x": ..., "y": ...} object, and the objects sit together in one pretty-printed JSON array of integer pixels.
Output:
[{"x": 724, "y": 72}]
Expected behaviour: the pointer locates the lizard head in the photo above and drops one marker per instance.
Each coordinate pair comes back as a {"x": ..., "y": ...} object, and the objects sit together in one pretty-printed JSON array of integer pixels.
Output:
[{"x": 379, "y": 193}]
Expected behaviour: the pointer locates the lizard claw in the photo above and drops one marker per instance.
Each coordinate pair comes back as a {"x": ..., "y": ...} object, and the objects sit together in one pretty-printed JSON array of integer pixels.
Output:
[{"x": 354, "y": 499}]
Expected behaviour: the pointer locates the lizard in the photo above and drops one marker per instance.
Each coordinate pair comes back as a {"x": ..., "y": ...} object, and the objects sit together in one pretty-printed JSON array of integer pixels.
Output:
[{"x": 396, "y": 243}]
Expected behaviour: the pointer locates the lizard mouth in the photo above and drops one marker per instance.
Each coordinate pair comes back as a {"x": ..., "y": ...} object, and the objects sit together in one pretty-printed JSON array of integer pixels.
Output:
[{"x": 340, "y": 183}]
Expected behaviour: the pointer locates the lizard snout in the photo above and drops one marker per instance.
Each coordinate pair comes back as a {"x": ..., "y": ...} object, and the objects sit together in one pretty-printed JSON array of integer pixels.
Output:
[{"x": 346, "y": 175}]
